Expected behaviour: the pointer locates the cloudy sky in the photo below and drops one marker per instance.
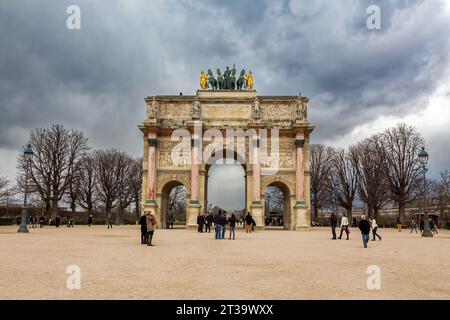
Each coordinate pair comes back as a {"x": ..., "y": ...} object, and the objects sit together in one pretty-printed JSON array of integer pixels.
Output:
[{"x": 359, "y": 81}]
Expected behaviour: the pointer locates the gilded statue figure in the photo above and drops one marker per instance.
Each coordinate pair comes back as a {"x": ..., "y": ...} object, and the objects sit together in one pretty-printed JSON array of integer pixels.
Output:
[
  {"x": 203, "y": 81},
  {"x": 249, "y": 80}
]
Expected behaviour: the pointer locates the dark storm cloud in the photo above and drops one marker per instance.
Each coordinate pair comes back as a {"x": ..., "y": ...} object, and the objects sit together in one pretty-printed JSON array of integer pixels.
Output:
[{"x": 95, "y": 79}]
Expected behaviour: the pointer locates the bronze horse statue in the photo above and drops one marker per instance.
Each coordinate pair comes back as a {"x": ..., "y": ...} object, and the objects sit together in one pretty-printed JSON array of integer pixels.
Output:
[
  {"x": 211, "y": 80},
  {"x": 220, "y": 80},
  {"x": 241, "y": 81}
]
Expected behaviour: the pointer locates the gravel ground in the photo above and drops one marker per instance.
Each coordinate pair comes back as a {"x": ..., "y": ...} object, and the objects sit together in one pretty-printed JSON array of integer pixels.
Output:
[{"x": 185, "y": 264}]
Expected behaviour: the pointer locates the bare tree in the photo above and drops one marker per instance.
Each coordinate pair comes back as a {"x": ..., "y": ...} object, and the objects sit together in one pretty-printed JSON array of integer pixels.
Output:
[
  {"x": 87, "y": 182},
  {"x": 4, "y": 187},
  {"x": 177, "y": 202},
  {"x": 113, "y": 170},
  {"x": 321, "y": 161},
  {"x": 440, "y": 193},
  {"x": 136, "y": 184},
  {"x": 56, "y": 152},
  {"x": 74, "y": 187},
  {"x": 402, "y": 168},
  {"x": 274, "y": 199},
  {"x": 371, "y": 179},
  {"x": 343, "y": 178}
]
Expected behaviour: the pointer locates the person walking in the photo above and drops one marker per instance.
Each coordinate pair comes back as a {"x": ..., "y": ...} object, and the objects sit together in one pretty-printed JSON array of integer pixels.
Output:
[
  {"x": 224, "y": 224},
  {"x": 143, "y": 223},
  {"x": 344, "y": 226},
  {"x": 433, "y": 227},
  {"x": 413, "y": 226},
  {"x": 151, "y": 222},
  {"x": 333, "y": 225},
  {"x": 217, "y": 224},
  {"x": 109, "y": 221},
  {"x": 34, "y": 221},
  {"x": 208, "y": 222},
  {"x": 200, "y": 222},
  {"x": 374, "y": 230},
  {"x": 58, "y": 221},
  {"x": 172, "y": 220},
  {"x": 90, "y": 220},
  {"x": 232, "y": 224},
  {"x": 248, "y": 223},
  {"x": 364, "y": 226},
  {"x": 41, "y": 221},
  {"x": 399, "y": 225}
]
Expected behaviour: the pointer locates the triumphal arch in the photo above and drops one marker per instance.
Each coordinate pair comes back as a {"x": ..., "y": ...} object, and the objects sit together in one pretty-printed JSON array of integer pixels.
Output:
[{"x": 268, "y": 135}]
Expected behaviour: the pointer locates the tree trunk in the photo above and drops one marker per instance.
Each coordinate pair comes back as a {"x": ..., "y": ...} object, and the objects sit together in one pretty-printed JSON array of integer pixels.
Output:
[
  {"x": 375, "y": 213},
  {"x": 316, "y": 213},
  {"x": 401, "y": 211},
  {"x": 138, "y": 213},
  {"x": 54, "y": 210},
  {"x": 350, "y": 216},
  {"x": 370, "y": 212}
]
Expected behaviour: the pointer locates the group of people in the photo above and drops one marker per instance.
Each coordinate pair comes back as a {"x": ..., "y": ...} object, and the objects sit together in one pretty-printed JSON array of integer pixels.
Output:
[
  {"x": 34, "y": 221},
  {"x": 147, "y": 222},
  {"x": 222, "y": 223},
  {"x": 364, "y": 226},
  {"x": 414, "y": 226}
]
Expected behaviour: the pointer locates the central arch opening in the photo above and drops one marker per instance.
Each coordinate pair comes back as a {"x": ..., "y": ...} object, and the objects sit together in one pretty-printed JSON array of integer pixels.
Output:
[
  {"x": 225, "y": 187},
  {"x": 173, "y": 204},
  {"x": 277, "y": 210}
]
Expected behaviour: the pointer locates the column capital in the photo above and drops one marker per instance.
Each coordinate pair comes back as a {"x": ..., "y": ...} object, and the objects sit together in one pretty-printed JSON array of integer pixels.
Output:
[
  {"x": 299, "y": 143},
  {"x": 152, "y": 142}
]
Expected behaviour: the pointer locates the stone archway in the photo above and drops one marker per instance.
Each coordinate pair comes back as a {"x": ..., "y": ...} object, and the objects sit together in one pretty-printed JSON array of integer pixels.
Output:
[
  {"x": 164, "y": 197},
  {"x": 214, "y": 113},
  {"x": 288, "y": 202}
]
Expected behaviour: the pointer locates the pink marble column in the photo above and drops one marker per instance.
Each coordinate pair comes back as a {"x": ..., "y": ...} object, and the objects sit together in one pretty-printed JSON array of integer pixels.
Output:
[
  {"x": 300, "y": 170},
  {"x": 256, "y": 172},
  {"x": 194, "y": 170},
  {"x": 151, "y": 175}
]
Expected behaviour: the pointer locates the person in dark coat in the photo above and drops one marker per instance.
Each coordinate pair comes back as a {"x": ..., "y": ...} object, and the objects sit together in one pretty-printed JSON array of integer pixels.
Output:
[
  {"x": 41, "y": 221},
  {"x": 90, "y": 220},
  {"x": 172, "y": 220},
  {"x": 232, "y": 224},
  {"x": 218, "y": 224},
  {"x": 143, "y": 223},
  {"x": 209, "y": 222},
  {"x": 58, "y": 221},
  {"x": 224, "y": 224},
  {"x": 200, "y": 222},
  {"x": 248, "y": 223},
  {"x": 333, "y": 225},
  {"x": 364, "y": 226}
]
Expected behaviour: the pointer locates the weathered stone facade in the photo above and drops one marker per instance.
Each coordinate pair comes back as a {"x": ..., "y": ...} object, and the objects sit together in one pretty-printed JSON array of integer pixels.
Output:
[{"x": 224, "y": 110}]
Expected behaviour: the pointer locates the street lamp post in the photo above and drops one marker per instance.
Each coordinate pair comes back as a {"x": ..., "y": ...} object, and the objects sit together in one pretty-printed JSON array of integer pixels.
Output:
[
  {"x": 28, "y": 155},
  {"x": 423, "y": 159}
]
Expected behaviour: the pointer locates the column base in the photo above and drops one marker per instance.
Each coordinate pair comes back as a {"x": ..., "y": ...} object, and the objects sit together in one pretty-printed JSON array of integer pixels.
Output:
[
  {"x": 193, "y": 209},
  {"x": 302, "y": 219},
  {"x": 256, "y": 209}
]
